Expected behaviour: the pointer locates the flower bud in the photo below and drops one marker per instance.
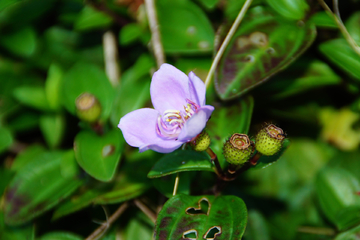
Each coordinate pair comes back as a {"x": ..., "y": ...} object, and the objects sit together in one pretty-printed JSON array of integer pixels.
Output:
[
  {"x": 238, "y": 149},
  {"x": 269, "y": 140},
  {"x": 201, "y": 142},
  {"x": 88, "y": 107}
]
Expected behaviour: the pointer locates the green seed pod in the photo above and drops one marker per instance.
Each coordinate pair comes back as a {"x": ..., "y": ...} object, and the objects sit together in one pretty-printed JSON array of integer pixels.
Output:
[
  {"x": 201, "y": 142},
  {"x": 269, "y": 140},
  {"x": 238, "y": 149},
  {"x": 88, "y": 107}
]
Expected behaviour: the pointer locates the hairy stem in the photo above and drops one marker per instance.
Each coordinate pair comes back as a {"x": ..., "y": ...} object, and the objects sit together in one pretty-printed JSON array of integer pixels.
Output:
[
  {"x": 226, "y": 41},
  {"x": 155, "y": 33},
  {"x": 176, "y": 184},
  {"x": 103, "y": 227}
]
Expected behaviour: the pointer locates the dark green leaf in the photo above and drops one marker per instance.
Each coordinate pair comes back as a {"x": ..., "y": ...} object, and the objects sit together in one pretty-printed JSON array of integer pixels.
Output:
[
  {"x": 26, "y": 156},
  {"x": 260, "y": 48},
  {"x": 203, "y": 216},
  {"x": 292, "y": 9},
  {"x": 26, "y": 232},
  {"x": 60, "y": 236},
  {"x": 21, "y": 42},
  {"x": 99, "y": 155},
  {"x": 300, "y": 77},
  {"x": 39, "y": 186},
  {"x": 257, "y": 228},
  {"x": 6, "y": 176},
  {"x": 338, "y": 193},
  {"x": 342, "y": 55},
  {"x": 85, "y": 77},
  {"x": 165, "y": 184},
  {"x": 139, "y": 227},
  {"x": 181, "y": 161},
  {"x": 89, "y": 19},
  {"x": 6, "y": 139},
  {"x": 227, "y": 120},
  {"x": 184, "y": 27}
]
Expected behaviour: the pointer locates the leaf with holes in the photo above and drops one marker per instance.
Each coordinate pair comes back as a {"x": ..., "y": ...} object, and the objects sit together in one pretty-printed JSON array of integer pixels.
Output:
[
  {"x": 229, "y": 119},
  {"x": 99, "y": 155},
  {"x": 260, "y": 48},
  {"x": 201, "y": 217},
  {"x": 181, "y": 161}
]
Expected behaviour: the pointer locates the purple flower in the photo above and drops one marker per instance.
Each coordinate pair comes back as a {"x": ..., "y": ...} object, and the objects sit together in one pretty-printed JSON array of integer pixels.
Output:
[{"x": 180, "y": 112}]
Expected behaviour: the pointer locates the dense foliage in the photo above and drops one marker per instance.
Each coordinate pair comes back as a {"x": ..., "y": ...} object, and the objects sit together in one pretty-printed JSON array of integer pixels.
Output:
[{"x": 67, "y": 173}]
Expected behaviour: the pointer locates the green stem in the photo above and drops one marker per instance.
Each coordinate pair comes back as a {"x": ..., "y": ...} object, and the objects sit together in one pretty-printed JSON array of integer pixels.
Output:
[{"x": 225, "y": 43}]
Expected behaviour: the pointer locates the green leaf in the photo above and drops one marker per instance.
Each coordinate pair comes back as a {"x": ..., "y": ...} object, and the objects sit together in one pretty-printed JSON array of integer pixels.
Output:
[
  {"x": 342, "y": 55},
  {"x": 184, "y": 28},
  {"x": 99, "y": 155},
  {"x": 130, "y": 184},
  {"x": 5, "y": 3},
  {"x": 76, "y": 203},
  {"x": 352, "y": 234},
  {"x": 26, "y": 232},
  {"x": 352, "y": 25},
  {"x": 90, "y": 19},
  {"x": 229, "y": 119},
  {"x": 181, "y": 161},
  {"x": 302, "y": 76},
  {"x": 322, "y": 19},
  {"x": 60, "y": 236},
  {"x": 260, "y": 48},
  {"x": 20, "y": 42},
  {"x": 53, "y": 86},
  {"x": 265, "y": 161},
  {"x": 33, "y": 96},
  {"x": 205, "y": 217},
  {"x": 6, "y": 176},
  {"x": 130, "y": 33},
  {"x": 26, "y": 156},
  {"x": 209, "y": 4},
  {"x": 85, "y": 77},
  {"x": 292, "y": 9},
  {"x": 257, "y": 227},
  {"x": 337, "y": 190},
  {"x": 52, "y": 127},
  {"x": 39, "y": 186},
  {"x": 6, "y": 139},
  {"x": 139, "y": 227},
  {"x": 134, "y": 90}
]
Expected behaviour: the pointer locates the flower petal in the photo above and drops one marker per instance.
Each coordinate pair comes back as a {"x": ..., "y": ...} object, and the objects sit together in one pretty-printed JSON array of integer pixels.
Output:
[
  {"x": 195, "y": 124},
  {"x": 162, "y": 146},
  {"x": 138, "y": 127},
  {"x": 169, "y": 89},
  {"x": 197, "y": 89}
]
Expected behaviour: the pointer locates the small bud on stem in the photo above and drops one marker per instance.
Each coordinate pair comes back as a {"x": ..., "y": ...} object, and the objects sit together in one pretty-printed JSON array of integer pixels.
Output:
[
  {"x": 201, "y": 142},
  {"x": 88, "y": 107},
  {"x": 269, "y": 140},
  {"x": 238, "y": 149}
]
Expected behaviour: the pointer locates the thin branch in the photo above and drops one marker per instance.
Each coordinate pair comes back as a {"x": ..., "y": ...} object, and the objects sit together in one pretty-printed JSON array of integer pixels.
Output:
[
  {"x": 342, "y": 28},
  {"x": 111, "y": 57},
  {"x": 225, "y": 43},
  {"x": 103, "y": 227},
  {"x": 150, "y": 214},
  {"x": 155, "y": 33},
  {"x": 336, "y": 9},
  {"x": 317, "y": 230},
  {"x": 176, "y": 184}
]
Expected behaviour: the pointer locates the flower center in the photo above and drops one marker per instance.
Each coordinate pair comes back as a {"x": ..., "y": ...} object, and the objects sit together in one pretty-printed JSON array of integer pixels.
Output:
[{"x": 169, "y": 125}]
